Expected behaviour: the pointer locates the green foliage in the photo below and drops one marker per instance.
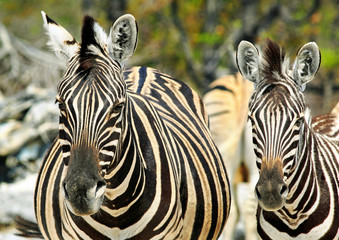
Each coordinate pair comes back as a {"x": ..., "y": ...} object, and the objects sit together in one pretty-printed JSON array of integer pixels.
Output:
[
  {"x": 210, "y": 39},
  {"x": 160, "y": 44},
  {"x": 23, "y": 18},
  {"x": 329, "y": 58}
]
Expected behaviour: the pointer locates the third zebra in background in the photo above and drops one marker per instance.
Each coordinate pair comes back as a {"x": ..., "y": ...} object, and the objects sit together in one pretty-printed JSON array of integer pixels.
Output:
[
  {"x": 226, "y": 101},
  {"x": 297, "y": 156}
]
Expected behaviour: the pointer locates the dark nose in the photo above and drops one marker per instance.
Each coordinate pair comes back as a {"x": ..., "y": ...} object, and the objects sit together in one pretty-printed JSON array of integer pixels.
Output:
[
  {"x": 83, "y": 186},
  {"x": 270, "y": 194},
  {"x": 280, "y": 189},
  {"x": 85, "y": 190},
  {"x": 83, "y": 196}
]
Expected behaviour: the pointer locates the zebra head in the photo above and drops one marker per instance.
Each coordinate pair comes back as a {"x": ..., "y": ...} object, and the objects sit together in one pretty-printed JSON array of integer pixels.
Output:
[
  {"x": 91, "y": 98},
  {"x": 278, "y": 113}
]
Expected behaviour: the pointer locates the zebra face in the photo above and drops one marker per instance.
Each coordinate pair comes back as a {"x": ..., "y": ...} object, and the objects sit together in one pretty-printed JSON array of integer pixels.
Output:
[
  {"x": 89, "y": 133},
  {"x": 92, "y": 99},
  {"x": 91, "y": 106},
  {"x": 276, "y": 136},
  {"x": 91, "y": 111},
  {"x": 278, "y": 114}
]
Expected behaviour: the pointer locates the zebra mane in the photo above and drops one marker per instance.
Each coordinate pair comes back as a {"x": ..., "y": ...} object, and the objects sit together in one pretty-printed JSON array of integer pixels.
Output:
[
  {"x": 275, "y": 63},
  {"x": 93, "y": 42}
]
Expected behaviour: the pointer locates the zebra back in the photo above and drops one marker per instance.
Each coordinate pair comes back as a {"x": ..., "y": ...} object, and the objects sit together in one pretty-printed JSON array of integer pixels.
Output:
[
  {"x": 226, "y": 101},
  {"x": 335, "y": 110},
  {"x": 155, "y": 86}
]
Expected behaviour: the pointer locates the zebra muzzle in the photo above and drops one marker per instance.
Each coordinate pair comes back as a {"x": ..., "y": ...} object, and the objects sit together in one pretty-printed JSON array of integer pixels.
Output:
[
  {"x": 271, "y": 190},
  {"x": 84, "y": 200},
  {"x": 83, "y": 187}
]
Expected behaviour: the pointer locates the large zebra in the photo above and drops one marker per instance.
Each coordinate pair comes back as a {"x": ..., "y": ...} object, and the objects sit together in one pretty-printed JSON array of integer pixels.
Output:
[
  {"x": 226, "y": 101},
  {"x": 297, "y": 156},
  {"x": 134, "y": 159}
]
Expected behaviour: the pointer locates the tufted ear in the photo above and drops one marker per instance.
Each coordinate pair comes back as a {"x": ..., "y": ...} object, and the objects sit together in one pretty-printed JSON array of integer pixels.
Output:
[
  {"x": 248, "y": 61},
  {"x": 306, "y": 64},
  {"x": 62, "y": 42},
  {"x": 123, "y": 38}
]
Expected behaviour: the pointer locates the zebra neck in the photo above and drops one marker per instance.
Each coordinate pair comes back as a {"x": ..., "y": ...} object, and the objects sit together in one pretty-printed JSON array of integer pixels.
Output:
[
  {"x": 137, "y": 172},
  {"x": 303, "y": 184},
  {"x": 128, "y": 174},
  {"x": 128, "y": 169}
]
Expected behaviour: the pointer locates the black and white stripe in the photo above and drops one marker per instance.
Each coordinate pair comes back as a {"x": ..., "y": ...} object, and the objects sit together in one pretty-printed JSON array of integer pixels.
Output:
[
  {"x": 134, "y": 158},
  {"x": 297, "y": 155},
  {"x": 226, "y": 101}
]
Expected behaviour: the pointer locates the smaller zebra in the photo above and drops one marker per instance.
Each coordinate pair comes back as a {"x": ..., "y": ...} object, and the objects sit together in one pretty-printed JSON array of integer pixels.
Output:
[{"x": 297, "y": 155}]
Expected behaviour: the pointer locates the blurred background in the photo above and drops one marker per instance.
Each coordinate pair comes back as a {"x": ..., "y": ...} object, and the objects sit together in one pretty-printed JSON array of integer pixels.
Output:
[{"x": 191, "y": 40}]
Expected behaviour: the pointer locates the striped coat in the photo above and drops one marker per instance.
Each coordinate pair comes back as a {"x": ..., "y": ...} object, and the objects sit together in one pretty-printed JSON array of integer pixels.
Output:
[
  {"x": 297, "y": 155},
  {"x": 157, "y": 173},
  {"x": 226, "y": 101}
]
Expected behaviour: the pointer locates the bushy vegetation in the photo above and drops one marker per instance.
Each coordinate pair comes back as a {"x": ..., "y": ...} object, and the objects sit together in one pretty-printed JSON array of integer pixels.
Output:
[{"x": 193, "y": 40}]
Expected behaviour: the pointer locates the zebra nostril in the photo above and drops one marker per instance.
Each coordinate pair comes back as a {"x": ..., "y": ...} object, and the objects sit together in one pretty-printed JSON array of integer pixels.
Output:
[
  {"x": 257, "y": 193},
  {"x": 100, "y": 189},
  {"x": 65, "y": 190},
  {"x": 283, "y": 189}
]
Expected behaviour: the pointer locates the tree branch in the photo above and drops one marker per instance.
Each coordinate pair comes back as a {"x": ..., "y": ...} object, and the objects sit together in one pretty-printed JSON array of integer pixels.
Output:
[
  {"x": 22, "y": 64},
  {"x": 210, "y": 58},
  {"x": 191, "y": 65}
]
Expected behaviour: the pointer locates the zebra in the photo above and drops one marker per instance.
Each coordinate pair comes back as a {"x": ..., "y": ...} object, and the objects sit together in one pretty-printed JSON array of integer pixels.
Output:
[
  {"x": 134, "y": 158},
  {"x": 296, "y": 155},
  {"x": 226, "y": 101}
]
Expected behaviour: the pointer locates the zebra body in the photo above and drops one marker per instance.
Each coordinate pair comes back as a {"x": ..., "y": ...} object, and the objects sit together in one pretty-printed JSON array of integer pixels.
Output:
[
  {"x": 134, "y": 158},
  {"x": 297, "y": 155},
  {"x": 226, "y": 101}
]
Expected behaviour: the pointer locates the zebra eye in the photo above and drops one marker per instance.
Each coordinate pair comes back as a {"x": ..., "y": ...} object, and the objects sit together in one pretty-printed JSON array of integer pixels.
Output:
[
  {"x": 61, "y": 105},
  {"x": 254, "y": 126},
  {"x": 251, "y": 119},
  {"x": 298, "y": 122},
  {"x": 118, "y": 108}
]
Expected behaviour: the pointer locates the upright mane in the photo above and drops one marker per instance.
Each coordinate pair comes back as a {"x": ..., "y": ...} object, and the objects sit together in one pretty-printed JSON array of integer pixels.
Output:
[
  {"x": 93, "y": 39},
  {"x": 274, "y": 60}
]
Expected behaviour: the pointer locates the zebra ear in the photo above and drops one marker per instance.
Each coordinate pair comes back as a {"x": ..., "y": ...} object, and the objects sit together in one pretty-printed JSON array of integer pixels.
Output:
[
  {"x": 248, "y": 61},
  {"x": 307, "y": 64},
  {"x": 123, "y": 37},
  {"x": 62, "y": 42}
]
